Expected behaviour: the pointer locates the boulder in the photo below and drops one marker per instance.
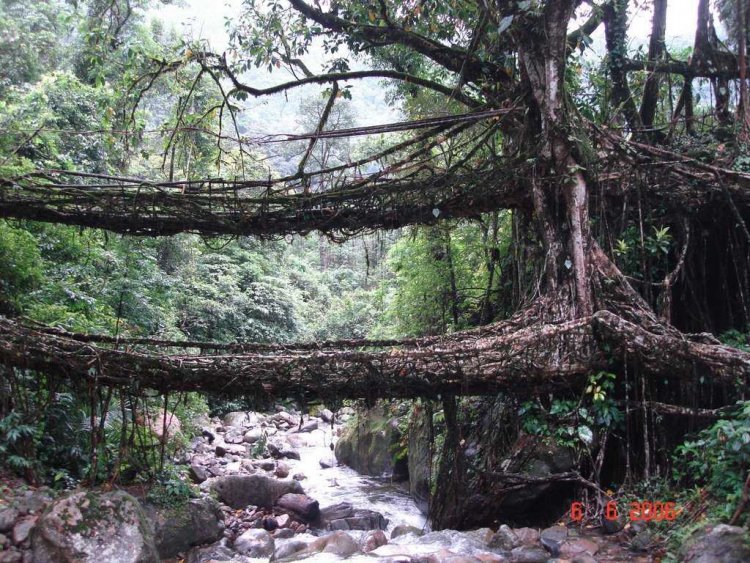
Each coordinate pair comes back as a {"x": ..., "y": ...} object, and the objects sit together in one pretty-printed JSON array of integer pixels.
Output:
[
  {"x": 90, "y": 527},
  {"x": 277, "y": 452},
  {"x": 198, "y": 473},
  {"x": 286, "y": 418},
  {"x": 11, "y": 556},
  {"x": 527, "y": 536},
  {"x": 269, "y": 523},
  {"x": 504, "y": 539},
  {"x": 157, "y": 423},
  {"x": 283, "y": 534},
  {"x": 234, "y": 449},
  {"x": 717, "y": 544},
  {"x": 282, "y": 470},
  {"x": 23, "y": 528},
  {"x": 234, "y": 436},
  {"x": 373, "y": 540},
  {"x": 308, "y": 426},
  {"x": 360, "y": 519},
  {"x": 266, "y": 464},
  {"x": 215, "y": 553},
  {"x": 288, "y": 550},
  {"x": 239, "y": 419},
  {"x": 289, "y": 454},
  {"x": 33, "y": 501},
  {"x": 552, "y": 538},
  {"x": 326, "y": 415},
  {"x": 253, "y": 435},
  {"x": 403, "y": 529},
  {"x": 336, "y": 511},
  {"x": 8, "y": 517},
  {"x": 239, "y": 491},
  {"x": 525, "y": 554},
  {"x": 337, "y": 543},
  {"x": 340, "y": 544},
  {"x": 367, "y": 445},
  {"x": 255, "y": 543},
  {"x": 576, "y": 547},
  {"x": 177, "y": 529},
  {"x": 302, "y": 506}
]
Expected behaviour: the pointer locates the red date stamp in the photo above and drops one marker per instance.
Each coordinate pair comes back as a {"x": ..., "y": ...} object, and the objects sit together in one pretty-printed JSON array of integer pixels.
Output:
[{"x": 638, "y": 511}]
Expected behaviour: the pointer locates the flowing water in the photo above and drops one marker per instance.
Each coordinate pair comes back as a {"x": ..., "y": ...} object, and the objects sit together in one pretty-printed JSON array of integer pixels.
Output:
[
  {"x": 331, "y": 483},
  {"x": 342, "y": 484}
]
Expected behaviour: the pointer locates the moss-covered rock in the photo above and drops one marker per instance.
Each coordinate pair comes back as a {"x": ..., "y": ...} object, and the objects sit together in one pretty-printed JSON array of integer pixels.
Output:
[
  {"x": 239, "y": 491},
  {"x": 91, "y": 527},
  {"x": 178, "y": 528},
  {"x": 420, "y": 455},
  {"x": 717, "y": 544},
  {"x": 368, "y": 444},
  {"x": 491, "y": 443}
]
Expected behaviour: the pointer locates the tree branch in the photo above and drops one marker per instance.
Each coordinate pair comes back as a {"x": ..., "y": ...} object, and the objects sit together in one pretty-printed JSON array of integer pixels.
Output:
[
  {"x": 448, "y": 57},
  {"x": 222, "y": 66}
]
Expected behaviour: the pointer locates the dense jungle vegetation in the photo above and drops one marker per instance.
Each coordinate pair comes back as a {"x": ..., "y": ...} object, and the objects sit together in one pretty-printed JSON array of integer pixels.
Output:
[{"x": 73, "y": 98}]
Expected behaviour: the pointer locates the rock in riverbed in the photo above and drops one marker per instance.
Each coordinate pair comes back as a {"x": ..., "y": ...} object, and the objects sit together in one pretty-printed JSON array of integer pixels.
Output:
[
  {"x": 239, "y": 491},
  {"x": 91, "y": 527}
]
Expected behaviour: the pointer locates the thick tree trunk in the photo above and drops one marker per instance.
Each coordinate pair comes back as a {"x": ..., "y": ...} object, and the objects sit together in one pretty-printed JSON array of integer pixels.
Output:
[
  {"x": 656, "y": 51},
  {"x": 744, "y": 103},
  {"x": 566, "y": 242},
  {"x": 615, "y": 29}
]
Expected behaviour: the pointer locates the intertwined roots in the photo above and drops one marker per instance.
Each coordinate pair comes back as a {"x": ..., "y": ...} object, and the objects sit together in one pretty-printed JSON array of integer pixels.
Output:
[{"x": 523, "y": 360}]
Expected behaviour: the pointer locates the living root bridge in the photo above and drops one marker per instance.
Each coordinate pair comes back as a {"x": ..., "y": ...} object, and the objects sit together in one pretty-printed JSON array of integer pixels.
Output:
[
  {"x": 219, "y": 207},
  {"x": 418, "y": 194},
  {"x": 524, "y": 362}
]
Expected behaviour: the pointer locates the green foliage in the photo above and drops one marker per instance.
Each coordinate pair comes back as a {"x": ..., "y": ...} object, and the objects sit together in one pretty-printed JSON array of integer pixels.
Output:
[
  {"x": 440, "y": 278},
  {"x": 30, "y": 44},
  {"x": 575, "y": 423},
  {"x": 259, "y": 448},
  {"x": 21, "y": 271},
  {"x": 226, "y": 299},
  {"x": 718, "y": 459},
  {"x": 172, "y": 488},
  {"x": 42, "y": 436},
  {"x": 736, "y": 339},
  {"x": 645, "y": 258},
  {"x": 189, "y": 410},
  {"x": 38, "y": 122},
  {"x": 14, "y": 436}
]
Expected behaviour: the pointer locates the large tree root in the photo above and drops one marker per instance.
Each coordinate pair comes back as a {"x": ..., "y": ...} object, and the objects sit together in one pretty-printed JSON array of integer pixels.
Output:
[{"x": 668, "y": 355}]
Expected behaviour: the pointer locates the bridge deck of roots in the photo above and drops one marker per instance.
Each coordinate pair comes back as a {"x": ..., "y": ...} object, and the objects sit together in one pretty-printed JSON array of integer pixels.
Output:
[{"x": 503, "y": 357}]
